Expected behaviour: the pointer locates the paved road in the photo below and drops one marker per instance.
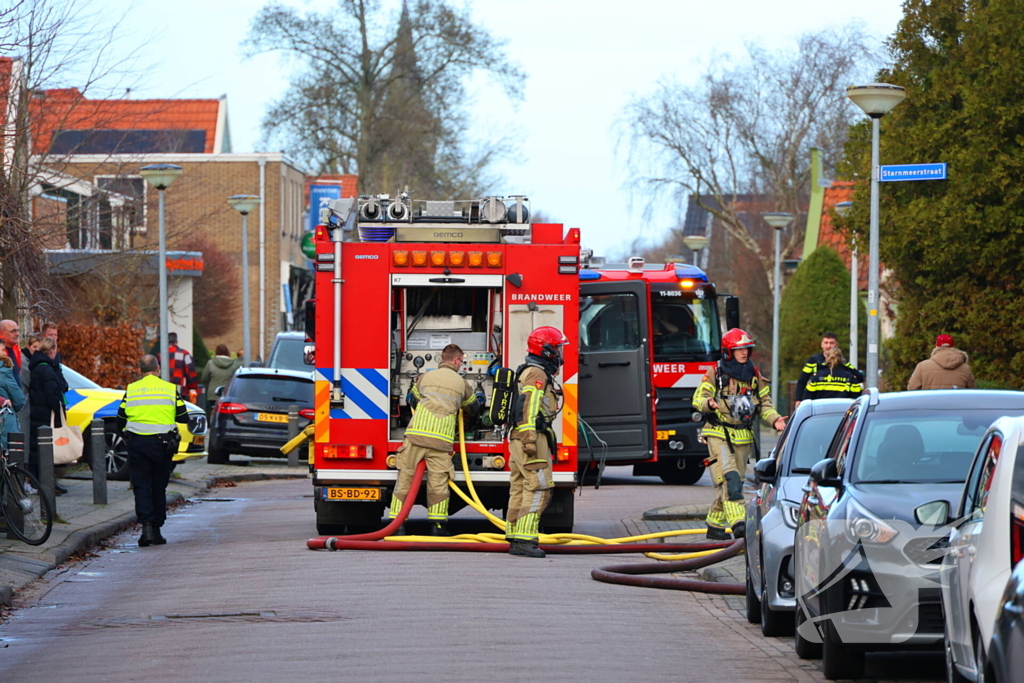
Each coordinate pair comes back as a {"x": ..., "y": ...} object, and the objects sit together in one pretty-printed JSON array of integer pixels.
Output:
[{"x": 236, "y": 596}]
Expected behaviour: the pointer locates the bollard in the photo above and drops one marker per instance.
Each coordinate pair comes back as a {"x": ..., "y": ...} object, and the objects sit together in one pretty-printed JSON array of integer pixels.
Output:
[
  {"x": 16, "y": 449},
  {"x": 293, "y": 431},
  {"x": 99, "y": 463},
  {"x": 46, "y": 476}
]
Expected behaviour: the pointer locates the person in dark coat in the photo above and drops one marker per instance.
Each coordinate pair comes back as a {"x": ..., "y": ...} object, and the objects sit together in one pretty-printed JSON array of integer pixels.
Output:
[
  {"x": 10, "y": 394},
  {"x": 45, "y": 397}
]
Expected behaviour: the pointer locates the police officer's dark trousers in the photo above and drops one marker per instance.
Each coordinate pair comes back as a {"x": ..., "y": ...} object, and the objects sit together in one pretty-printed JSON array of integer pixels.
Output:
[{"x": 149, "y": 466}]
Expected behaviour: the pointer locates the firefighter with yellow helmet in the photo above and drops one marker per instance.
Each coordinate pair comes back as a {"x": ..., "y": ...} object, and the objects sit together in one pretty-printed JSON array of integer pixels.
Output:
[{"x": 731, "y": 396}]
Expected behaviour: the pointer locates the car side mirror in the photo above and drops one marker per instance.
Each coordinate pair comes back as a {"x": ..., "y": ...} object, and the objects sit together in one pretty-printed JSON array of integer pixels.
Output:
[
  {"x": 219, "y": 391},
  {"x": 765, "y": 471},
  {"x": 935, "y": 513},
  {"x": 309, "y": 354},
  {"x": 825, "y": 473}
]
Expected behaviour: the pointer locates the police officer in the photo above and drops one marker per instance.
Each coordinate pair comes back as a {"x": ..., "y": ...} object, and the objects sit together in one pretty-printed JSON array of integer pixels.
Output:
[
  {"x": 148, "y": 419},
  {"x": 731, "y": 395},
  {"x": 437, "y": 397},
  {"x": 834, "y": 378},
  {"x": 532, "y": 441},
  {"x": 815, "y": 364}
]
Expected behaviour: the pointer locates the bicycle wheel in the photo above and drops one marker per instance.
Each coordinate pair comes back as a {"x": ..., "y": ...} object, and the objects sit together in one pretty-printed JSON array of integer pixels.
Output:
[{"x": 27, "y": 510}]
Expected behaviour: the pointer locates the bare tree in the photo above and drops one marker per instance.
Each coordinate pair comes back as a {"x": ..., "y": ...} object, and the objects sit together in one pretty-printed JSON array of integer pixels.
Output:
[
  {"x": 738, "y": 142},
  {"x": 383, "y": 95}
]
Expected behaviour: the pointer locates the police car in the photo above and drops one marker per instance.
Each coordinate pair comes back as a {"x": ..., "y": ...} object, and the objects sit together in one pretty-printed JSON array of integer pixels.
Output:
[{"x": 87, "y": 401}]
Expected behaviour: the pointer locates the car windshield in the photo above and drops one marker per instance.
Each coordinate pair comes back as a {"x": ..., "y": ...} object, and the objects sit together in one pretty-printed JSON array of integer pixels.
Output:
[
  {"x": 270, "y": 389},
  {"x": 812, "y": 441},
  {"x": 917, "y": 447},
  {"x": 288, "y": 354},
  {"x": 684, "y": 327},
  {"x": 77, "y": 380}
]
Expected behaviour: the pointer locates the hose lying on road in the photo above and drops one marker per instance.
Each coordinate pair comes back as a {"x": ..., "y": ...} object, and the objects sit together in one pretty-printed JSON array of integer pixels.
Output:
[
  {"x": 630, "y": 574},
  {"x": 495, "y": 542}
]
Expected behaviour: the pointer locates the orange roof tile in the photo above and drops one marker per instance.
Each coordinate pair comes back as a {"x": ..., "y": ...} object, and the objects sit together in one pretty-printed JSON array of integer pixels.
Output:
[
  {"x": 67, "y": 109},
  {"x": 840, "y": 191}
]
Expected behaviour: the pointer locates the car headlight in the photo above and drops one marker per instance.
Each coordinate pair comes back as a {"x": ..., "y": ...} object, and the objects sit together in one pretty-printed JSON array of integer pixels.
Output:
[
  {"x": 197, "y": 423},
  {"x": 790, "y": 513},
  {"x": 861, "y": 525}
]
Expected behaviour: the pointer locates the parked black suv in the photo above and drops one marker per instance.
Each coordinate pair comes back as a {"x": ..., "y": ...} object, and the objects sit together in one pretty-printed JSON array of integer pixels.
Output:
[{"x": 251, "y": 415}]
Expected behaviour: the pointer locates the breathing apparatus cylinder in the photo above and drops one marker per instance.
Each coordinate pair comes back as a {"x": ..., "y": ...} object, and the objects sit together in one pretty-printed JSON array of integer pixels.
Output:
[{"x": 502, "y": 396}]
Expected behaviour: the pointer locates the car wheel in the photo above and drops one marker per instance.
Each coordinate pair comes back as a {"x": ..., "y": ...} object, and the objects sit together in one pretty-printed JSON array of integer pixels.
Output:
[
  {"x": 691, "y": 473},
  {"x": 836, "y": 661},
  {"x": 753, "y": 604},
  {"x": 953, "y": 674},
  {"x": 115, "y": 453},
  {"x": 805, "y": 649},
  {"x": 218, "y": 456},
  {"x": 774, "y": 623}
]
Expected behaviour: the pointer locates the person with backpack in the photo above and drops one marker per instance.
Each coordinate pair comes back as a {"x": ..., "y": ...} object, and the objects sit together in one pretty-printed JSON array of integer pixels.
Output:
[
  {"x": 531, "y": 442},
  {"x": 731, "y": 396},
  {"x": 437, "y": 397}
]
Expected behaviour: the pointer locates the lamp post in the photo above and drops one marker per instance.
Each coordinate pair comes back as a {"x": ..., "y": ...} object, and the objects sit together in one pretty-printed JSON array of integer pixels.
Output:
[
  {"x": 843, "y": 208},
  {"x": 876, "y": 100},
  {"x": 161, "y": 176},
  {"x": 243, "y": 204},
  {"x": 696, "y": 243},
  {"x": 777, "y": 221}
]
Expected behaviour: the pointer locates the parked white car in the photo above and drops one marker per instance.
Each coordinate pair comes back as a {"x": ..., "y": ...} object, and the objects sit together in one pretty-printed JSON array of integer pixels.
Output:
[{"x": 987, "y": 543}]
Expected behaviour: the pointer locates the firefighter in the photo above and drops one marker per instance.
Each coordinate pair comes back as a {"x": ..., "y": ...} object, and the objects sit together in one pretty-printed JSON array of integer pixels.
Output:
[
  {"x": 731, "y": 396},
  {"x": 532, "y": 440},
  {"x": 148, "y": 418},
  {"x": 437, "y": 397}
]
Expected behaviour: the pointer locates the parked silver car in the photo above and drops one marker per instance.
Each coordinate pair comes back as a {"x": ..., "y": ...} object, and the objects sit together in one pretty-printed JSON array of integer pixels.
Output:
[{"x": 772, "y": 513}]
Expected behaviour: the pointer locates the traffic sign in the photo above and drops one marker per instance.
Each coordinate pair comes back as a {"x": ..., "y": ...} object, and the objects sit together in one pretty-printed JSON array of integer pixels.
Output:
[
  {"x": 307, "y": 246},
  {"x": 905, "y": 172}
]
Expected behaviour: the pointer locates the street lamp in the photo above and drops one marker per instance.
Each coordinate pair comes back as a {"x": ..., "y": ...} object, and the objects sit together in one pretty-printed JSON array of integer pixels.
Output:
[
  {"x": 695, "y": 243},
  {"x": 777, "y": 221},
  {"x": 243, "y": 204},
  {"x": 843, "y": 208},
  {"x": 876, "y": 100},
  {"x": 161, "y": 176}
]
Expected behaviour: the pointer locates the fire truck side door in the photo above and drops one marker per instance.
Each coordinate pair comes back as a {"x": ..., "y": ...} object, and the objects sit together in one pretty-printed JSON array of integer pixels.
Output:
[{"x": 615, "y": 370}]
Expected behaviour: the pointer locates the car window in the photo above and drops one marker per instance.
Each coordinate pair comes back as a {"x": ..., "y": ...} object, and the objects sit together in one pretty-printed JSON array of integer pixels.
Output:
[
  {"x": 842, "y": 438},
  {"x": 77, "y": 380},
  {"x": 270, "y": 389},
  {"x": 287, "y": 354},
  {"x": 812, "y": 441},
  {"x": 916, "y": 446},
  {"x": 609, "y": 322},
  {"x": 979, "y": 501}
]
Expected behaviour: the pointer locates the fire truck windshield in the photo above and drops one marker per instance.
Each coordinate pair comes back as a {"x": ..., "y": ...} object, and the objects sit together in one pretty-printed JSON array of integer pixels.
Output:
[{"x": 684, "y": 328}]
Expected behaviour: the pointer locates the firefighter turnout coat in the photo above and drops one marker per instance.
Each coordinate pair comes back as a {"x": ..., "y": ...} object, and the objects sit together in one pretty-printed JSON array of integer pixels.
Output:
[
  {"x": 440, "y": 394},
  {"x": 760, "y": 395},
  {"x": 530, "y": 454}
]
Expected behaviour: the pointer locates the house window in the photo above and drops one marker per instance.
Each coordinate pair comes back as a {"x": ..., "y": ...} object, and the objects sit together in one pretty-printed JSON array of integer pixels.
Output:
[{"x": 123, "y": 208}]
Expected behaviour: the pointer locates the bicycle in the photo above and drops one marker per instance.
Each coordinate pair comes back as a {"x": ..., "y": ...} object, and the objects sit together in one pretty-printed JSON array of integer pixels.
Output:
[{"x": 25, "y": 508}]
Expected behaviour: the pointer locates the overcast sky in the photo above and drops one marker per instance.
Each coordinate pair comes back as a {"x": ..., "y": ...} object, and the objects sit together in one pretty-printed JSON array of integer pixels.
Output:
[{"x": 583, "y": 60}]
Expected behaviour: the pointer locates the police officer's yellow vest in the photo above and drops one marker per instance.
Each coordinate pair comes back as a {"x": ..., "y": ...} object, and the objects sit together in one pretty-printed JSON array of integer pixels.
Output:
[{"x": 150, "y": 405}]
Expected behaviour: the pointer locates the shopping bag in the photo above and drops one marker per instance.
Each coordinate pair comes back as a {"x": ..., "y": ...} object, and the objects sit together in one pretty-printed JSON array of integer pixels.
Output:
[{"x": 67, "y": 441}]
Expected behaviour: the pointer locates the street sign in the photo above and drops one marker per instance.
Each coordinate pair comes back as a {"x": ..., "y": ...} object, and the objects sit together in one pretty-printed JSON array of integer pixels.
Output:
[
  {"x": 307, "y": 246},
  {"x": 905, "y": 172},
  {"x": 319, "y": 197}
]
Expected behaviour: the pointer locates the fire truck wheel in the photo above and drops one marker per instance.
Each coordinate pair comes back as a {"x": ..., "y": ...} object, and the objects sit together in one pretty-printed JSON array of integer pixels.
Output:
[
  {"x": 559, "y": 517},
  {"x": 681, "y": 471}
]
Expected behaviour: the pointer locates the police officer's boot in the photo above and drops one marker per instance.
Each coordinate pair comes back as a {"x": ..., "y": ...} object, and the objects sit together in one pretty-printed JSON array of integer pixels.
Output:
[
  {"x": 528, "y": 548},
  {"x": 158, "y": 538},
  {"x": 148, "y": 535},
  {"x": 717, "y": 534},
  {"x": 439, "y": 528}
]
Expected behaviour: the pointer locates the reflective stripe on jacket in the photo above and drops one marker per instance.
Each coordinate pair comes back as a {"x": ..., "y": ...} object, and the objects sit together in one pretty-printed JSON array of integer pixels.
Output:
[
  {"x": 536, "y": 398},
  {"x": 838, "y": 382},
  {"x": 761, "y": 395},
  {"x": 150, "y": 406},
  {"x": 441, "y": 393}
]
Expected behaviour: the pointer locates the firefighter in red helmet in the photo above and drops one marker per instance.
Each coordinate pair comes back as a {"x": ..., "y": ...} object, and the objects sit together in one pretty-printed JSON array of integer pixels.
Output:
[
  {"x": 532, "y": 440},
  {"x": 731, "y": 396}
]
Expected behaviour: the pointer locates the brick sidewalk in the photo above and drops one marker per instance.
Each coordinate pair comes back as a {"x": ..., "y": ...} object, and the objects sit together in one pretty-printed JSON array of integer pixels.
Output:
[{"x": 81, "y": 524}]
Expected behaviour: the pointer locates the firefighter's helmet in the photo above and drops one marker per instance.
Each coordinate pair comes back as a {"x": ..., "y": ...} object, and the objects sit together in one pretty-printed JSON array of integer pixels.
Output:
[
  {"x": 545, "y": 342},
  {"x": 735, "y": 339}
]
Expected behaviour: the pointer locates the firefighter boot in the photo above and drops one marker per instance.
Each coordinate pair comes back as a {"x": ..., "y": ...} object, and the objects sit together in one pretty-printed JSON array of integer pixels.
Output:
[
  {"x": 147, "y": 537},
  {"x": 739, "y": 530},
  {"x": 526, "y": 548},
  {"x": 717, "y": 534},
  {"x": 439, "y": 528}
]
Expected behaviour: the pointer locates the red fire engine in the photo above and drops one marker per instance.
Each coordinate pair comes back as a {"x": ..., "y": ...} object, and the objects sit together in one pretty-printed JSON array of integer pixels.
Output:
[
  {"x": 398, "y": 280},
  {"x": 648, "y": 332}
]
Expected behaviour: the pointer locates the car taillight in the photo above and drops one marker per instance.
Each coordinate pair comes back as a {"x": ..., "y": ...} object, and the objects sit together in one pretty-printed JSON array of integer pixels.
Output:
[
  {"x": 1016, "y": 533},
  {"x": 307, "y": 413},
  {"x": 231, "y": 408}
]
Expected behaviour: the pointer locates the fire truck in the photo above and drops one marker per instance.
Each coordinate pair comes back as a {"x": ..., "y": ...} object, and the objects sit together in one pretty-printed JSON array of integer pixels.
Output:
[
  {"x": 397, "y": 280},
  {"x": 647, "y": 335}
]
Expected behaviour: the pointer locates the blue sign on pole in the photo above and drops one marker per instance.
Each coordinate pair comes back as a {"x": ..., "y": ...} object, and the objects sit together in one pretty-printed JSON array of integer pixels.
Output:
[
  {"x": 905, "y": 172},
  {"x": 319, "y": 197}
]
